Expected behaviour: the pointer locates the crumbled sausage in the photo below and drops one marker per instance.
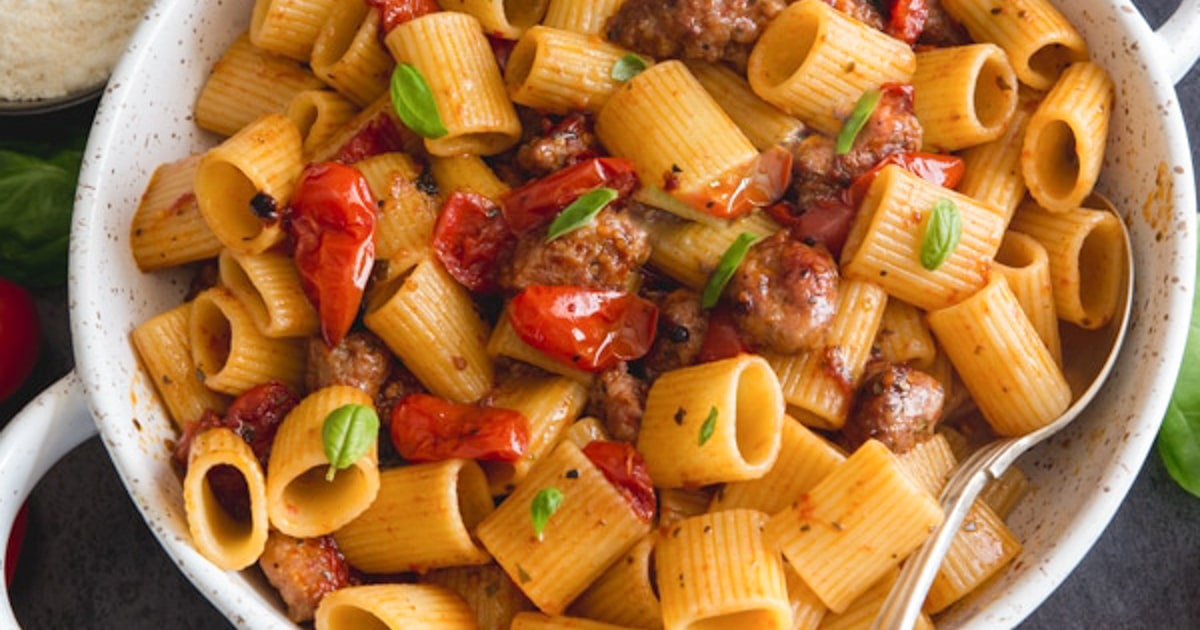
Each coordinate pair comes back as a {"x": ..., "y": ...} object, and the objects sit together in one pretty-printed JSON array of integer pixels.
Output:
[
  {"x": 558, "y": 145},
  {"x": 619, "y": 399},
  {"x": 711, "y": 30},
  {"x": 784, "y": 294},
  {"x": 941, "y": 30},
  {"x": 682, "y": 324},
  {"x": 604, "y": 254},
  {"x": 303, "y": 570},
  {"x": 861, "y": 10},
  {"x": 360, "y": 360},
  {"x": 897, "y": 405}
]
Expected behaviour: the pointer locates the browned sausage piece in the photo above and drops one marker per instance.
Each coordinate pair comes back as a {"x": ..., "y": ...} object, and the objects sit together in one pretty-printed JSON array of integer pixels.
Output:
[
  {"x": 941, "y": 30},
  {"x": 861, "y": 10},
  {"x": 558, "y": 145},
  {"x": 712, "y": 30},
  {"x": 361, "y": 360},
  {"x": 303, "y": 570},
  {"x": 784, "y": 294},
  {"x": 604, "y": 254},
  {"x": 682, "y": 324},
  {"x": 619, "y": 399},
  {"x": 897, "y": 405}
]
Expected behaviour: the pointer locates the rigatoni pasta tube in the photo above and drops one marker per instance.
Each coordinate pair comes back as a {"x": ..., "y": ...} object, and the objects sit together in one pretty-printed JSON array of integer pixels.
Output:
[
  {"x": 712, "y": 422},
  {"x": 504, "y": 18},
  {"x": 268, "y": 285},
  {"x": 288, "y": 27},
  {"x": 855, "y": 525},
  {"x": 421, "y": 519},
  {"x": 348, "y": 55},
  {"x": 981, "y": 547},
  {"x": 378, "y": 123},
  {"x": 394, "y": 607},
  {"x": 167, "y": 227},
  {"x": 885, "y": 241},
  {"x": 862, "y": 611},
  {"x": 561, "y": 71},
  {"x": 592, "y": 526},
  {"x": 1085, "y": 248},
  {"x": 542, "y": 621},
  {"x": 404, "y": 224},
  {"x": 764, "y": 124},
  {"x": 814, "y": 62},
  {"x": 318, "y": 114},
  {"x": 1001, "y": 360},
  {"x": 1064, "y": 142},
  {"x": 625, "y": 594},
  {"x": 430, "y": 322},
  {"x": 689, "y": 251},
  {"x": 466, "y": 173},
  {"x": 719, "y": 570},
  {"x": 678, "y": 137},
  {"x": 232, "y": 542},
  {"x": 993, "y": 169},
  {"x": 1025, "y": 265},
  {"x": 903, "y": 336},
  {"x": 967, "y": 95},
  {"x": 487, "y": 589},
  {"x": 452, "y": 54},
  {"x": 164, "y": 345},
  {"x": 1040, "y": 42},
  {"x": 582, "y": 16},
  {"x": 301, "y": 500},
  {"x": 260, "y": 162},
  {"x": 231, "y": 353}
]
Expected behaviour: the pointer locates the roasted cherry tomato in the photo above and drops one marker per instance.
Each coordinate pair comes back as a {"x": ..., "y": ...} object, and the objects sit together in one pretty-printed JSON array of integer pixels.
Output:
[
  {"x": 469, "y": 238},
  {"x": 590, "y": 329},
  {"x": 721, "y": 340},
  {"x": 908, "y": 20},
  {"x": 538, "y": 201},
  {"x": 765, "y": 180},
  {"x": 827, "y": 222},
  {"x": 20, "y": 336},
  {"x": 379, "y": 135},
  {"x": 333, "y": 223},
  {"x": 397, "y": 12},
  {"x": 428, "y": 429},
  {"x": 625, "y": 469},
  {"x": 938, "y": 168}
]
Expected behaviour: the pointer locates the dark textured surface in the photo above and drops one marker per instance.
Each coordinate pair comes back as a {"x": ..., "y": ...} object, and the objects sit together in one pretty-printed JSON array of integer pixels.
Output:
[{"x": 89, "y": 560}]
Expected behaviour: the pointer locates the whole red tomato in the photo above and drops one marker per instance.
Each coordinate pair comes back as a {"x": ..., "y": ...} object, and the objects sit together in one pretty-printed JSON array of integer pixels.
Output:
[{"x": 20, "y": 337}]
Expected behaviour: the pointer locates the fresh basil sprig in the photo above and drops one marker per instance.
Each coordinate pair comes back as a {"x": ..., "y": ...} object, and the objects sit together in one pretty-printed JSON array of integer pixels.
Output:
[
  {"x": 414, "y": 104},
  {"x": 858, "y": 118},
  {"x": 943, "y": 229},
  {"x": 348, "y": 433},
  {"x": 1179, "y": 437},
  {"x": 545, "y": 504},
  {"x": 729, "y": 263},
  {"x": 628, "y": 67},
  {"x": 580, "y": 212},
  {"x": 710, "y": 425}
]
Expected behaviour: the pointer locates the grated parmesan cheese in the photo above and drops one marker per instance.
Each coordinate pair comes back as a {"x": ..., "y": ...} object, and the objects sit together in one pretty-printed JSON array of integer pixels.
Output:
[{"x": 52, "y": 48}]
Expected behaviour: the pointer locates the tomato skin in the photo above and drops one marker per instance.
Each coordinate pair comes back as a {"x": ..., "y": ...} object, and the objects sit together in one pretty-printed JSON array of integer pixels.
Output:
[
  {"x": 470, "y": 238},
  {"x": 827, "y": 221},
  {"x": 938, "y": 168},
  {"x": 721, "y": 340},
  {"x": 908, "y": 20},
  {"x": 625, "y": 469},
  {"x": 428, "y": 429},
  {"x": 501, "y": 49},
  {"x": 332, "y": 220},
  {"x": 397, "y": 12},
  {"x": 590, "y": 329},
  {"x": 20, "y": 336},
  {"x": 537, "y": 202},
  {"x": 379, "y": 135},
  {"x": 762, "y": 183}
]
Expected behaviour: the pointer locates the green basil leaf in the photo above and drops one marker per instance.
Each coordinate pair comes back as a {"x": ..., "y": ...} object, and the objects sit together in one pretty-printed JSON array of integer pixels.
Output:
[
  {"x": 710, "y": 425},
  {"x": 1179, "y": 437},
  {"x": 858, "y": 118},
  {"x": 545, "y": 504},
  {"x": 729, "y": 263},
  {"x": 414, "y": 102},
  {"x": 348, "y": 433},
  {"x": 580, "y": 212},
  {"x": 628, "y": 67},
  {"x": 36, "y": 199},
  {"x": 943, "y": 229}
]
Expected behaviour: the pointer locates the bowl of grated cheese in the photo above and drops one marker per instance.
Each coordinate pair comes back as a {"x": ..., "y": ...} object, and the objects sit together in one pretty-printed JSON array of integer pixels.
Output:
[{"x": 58, "y": 53}]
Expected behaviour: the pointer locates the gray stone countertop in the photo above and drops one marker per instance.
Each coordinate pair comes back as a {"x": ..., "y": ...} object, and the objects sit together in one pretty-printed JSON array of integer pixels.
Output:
[{"x": 90, "y": 562}]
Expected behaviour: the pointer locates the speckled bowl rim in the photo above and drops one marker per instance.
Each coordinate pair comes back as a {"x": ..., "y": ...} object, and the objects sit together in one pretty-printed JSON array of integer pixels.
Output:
[{"x": 108, "y": 297}]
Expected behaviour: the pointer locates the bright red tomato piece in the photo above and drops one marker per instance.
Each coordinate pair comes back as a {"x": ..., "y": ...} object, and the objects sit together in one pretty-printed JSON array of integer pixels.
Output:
[
  {"x": 538, "y": 201},
  {"x": 590, "y": 329},
  {"x": 20, "y": 336},
  {"x": 469, "y": 238},
  {"x": 908, "y": 20},
  {"x": 721, "y": 340},
  {"x": 379, "y": 135},
  {"x": 938, "y": 168},
  {"x": 397, "y": 12},
  {"x": 428, "y": 429},
  {"x": 333, "y": 223},
  {"x": 625, "y": 469},
  {"x": 762, "y": 184},
  {"x": 827, "y": 222}
]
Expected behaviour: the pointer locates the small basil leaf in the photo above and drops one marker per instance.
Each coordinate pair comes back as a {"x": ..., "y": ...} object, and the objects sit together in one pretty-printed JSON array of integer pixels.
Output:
[
  {"x": 580, "y": 212},
  {"x": 1179, "y": 437},
  {"x": 710, "y": 425},
  {"x": 545, "y": 504},
  {"x": 943, "y": 229},
  {"x": 725, "y": 268},
  {"x": 348, "y": 433},
  {"x": 858, "y": 118},
  {"x": 414, "y": 102},
  {"x": 628, "y": 67}
]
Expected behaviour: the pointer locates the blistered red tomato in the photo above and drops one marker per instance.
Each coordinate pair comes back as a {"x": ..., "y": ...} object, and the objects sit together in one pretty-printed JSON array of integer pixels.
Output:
[
  {"x": 397, "y": 12},
  {"x": 377, "y": 136},
  {"x": 721, "y": 339},
  {"x": 333, "y": 223},
  {"x": 938, "y": 168},
  {"x": 427, "y": 429},
  {"x": 20, "y": 336},
  {"x": 537, "y": 202},
  {"x": 763, "y": 182},
  {"x": 908, "y": 20},
  {"x": 625, "y": 469},
  {"x": 590, "y": 329},
  {"x": 470, "y": 237}
]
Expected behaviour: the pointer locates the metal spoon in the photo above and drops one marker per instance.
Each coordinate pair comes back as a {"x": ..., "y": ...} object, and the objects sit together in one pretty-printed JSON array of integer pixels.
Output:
[{"x": 904, "y": 603}]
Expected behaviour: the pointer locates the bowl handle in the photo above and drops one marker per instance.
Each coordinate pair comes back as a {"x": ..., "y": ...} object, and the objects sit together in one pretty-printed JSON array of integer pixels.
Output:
[
  {"x": 1178, "y": 40},
  {"x": 34, "y": 440}
]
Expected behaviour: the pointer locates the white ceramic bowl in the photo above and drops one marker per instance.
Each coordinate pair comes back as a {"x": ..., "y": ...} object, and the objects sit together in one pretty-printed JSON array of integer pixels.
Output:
[{"x": 1078, "y": 480}]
